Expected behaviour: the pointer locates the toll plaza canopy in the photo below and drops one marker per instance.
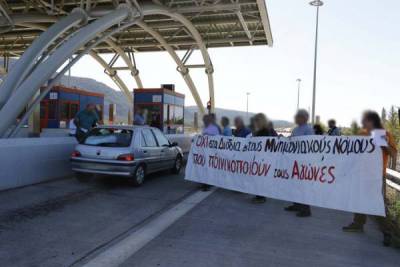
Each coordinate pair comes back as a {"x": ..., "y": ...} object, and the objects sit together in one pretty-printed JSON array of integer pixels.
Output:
[
  {"x": 221, "y": 23},
  {"x": 47, "y": 34}
]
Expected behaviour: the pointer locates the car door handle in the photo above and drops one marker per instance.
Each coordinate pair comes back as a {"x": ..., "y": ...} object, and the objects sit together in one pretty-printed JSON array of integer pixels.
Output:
[{"x": 144, "y": 151}]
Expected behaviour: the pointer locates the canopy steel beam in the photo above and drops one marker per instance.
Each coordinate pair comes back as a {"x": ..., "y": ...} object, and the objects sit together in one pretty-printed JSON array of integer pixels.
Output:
[
  {"x": 58, "y": 76},
  {"x": 244, "y": 24},
  {"x": 154, "y": 9},
  {"x": 113, "y": 75},
  {"x": 181, "y": 67},
  {"x": 28, "y": 87},
  {"x": 25, "y": 64},
  {"x": 127, "y": 60},
  {"x": 265, "y": 21}
]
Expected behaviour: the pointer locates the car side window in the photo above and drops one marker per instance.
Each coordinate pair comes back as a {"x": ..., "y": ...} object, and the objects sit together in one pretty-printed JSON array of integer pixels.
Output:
[
  {"x": 148, "y": 138},
  {"x": 161, "y": 139}
]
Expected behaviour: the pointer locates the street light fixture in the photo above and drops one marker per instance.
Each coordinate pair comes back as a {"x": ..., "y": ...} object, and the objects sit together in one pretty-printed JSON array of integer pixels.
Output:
[
  {"x": 316, "y": 3},
  {"x": 298, "y": 93}
]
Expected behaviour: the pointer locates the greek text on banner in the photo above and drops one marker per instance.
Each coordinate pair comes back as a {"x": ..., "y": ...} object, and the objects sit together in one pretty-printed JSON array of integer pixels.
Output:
[{"x": 340, "y": 172}]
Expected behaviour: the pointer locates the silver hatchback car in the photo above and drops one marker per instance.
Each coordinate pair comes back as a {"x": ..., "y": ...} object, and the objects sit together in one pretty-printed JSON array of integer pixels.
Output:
[{"x": 130, "y": 151}]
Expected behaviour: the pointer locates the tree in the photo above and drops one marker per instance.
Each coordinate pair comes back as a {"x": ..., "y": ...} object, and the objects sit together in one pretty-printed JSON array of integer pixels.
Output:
[
  {"x": 392, "y": 125},
  {"x": 383, "y": 115},
  {"x": 354, "y": 128}
]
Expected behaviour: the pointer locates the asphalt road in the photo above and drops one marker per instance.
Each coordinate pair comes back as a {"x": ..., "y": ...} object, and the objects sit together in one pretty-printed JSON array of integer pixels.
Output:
[{"x": 168, "y": 222}]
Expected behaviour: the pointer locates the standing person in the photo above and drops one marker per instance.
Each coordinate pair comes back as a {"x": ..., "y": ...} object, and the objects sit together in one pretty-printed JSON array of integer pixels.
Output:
[
  {"x": 210, "y": 128},
  {"x": 333, "y": 130},
  {"x": 213, "y": 119},
  {"x": 318, "y": 130},
  {"x": 262, "y": 128},
  {"x": 226, "y": 129},
  {"x": 138, "y": 119},
  {"x": 271, "y": 128},
  {"x": 252, "y": 125},
  {"x": 241, "y": 130},
  {"x": 85, "y": 120},
  {"x": 370, "y": 122},
  {"x": 303, "y": 128}
]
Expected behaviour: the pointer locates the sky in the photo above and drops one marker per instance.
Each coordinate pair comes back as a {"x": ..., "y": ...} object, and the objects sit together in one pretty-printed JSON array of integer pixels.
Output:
[{"x": 358, "y": 63}]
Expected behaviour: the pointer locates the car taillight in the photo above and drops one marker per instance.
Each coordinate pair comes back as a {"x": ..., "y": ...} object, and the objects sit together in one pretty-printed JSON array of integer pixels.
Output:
[
  {"x": 126, "y": 157},
  {"x": 76, "y": 154}
]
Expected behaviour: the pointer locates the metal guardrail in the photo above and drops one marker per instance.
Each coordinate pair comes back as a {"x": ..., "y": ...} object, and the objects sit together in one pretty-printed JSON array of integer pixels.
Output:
[{"x": 394, "y": 179}]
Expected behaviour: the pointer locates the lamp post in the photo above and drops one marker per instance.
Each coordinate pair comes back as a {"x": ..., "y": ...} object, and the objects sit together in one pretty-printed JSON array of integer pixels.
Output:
[
  {"x": 298, "y": 93},
  {"x": 247, "y": 105},
  {"x": 316, "y": 3}
]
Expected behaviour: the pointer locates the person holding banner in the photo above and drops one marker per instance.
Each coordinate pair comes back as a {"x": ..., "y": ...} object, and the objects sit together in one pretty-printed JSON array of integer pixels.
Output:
[
  {"x": 241, "y": 130},
  {"x": 210, "y": 128},
  {"x": 333, "y": 129},
  {"x": 303, "y": 128},
  {"x": 262, "y": 128},
  {"x": 226, "y": 129},
  {"x": 213, "y": 118},
  {"x": 372, "y": 125}
]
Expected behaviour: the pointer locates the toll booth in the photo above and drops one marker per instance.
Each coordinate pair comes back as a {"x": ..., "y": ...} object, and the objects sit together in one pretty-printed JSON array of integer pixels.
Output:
[
  {"x": 62, "y": 103},
  {"x": 162, "y": 108}
]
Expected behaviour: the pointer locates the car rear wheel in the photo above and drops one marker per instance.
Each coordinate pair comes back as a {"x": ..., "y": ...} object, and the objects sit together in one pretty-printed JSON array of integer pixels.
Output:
[
  {"x": 83, "y": 177},
  {"x": 139, "y": 176},
  {"x": 177, "y": 165}
]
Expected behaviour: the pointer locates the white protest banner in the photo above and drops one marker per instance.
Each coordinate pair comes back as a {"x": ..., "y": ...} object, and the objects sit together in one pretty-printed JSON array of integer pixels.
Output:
[{"x": 334, "y": 172}]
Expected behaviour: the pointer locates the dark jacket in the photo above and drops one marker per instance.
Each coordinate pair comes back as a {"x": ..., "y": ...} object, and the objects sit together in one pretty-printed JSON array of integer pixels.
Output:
[
  {"x": 243, "y": 132},
  {"x": 266, "y": 132}
]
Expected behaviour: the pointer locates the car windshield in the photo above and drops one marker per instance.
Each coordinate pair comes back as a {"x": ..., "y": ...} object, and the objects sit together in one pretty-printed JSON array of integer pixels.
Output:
[{"x": 109, "y": 137}]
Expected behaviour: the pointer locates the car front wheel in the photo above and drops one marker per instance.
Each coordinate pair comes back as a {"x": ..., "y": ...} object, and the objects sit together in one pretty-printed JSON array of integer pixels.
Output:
[
  {"x": 177, "y": 165},
  {"x": 138, "y": 176}
]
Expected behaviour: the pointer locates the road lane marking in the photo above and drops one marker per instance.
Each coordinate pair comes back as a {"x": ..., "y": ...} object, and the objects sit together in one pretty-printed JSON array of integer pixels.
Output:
[{"x": 120, "y": 252}]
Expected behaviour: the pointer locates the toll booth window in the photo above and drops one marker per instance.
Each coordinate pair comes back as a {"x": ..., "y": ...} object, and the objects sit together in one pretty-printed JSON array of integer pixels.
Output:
[
  {"x": 165, "y": 114},
  {"x": 109, "y": 137},
  {"x": 99, "y": 109},
  {"x": 178, "y": 115},
  {"x": 148, "y": 139},
  {"x": 171, "y": 114},
  {"x": 178, "y": 119},
  {"x": 52, "y": 110},
  {"x": 64, "y": 114},
  {"x": 74, "y": 110},
  {"x": 152, "y": 115}
]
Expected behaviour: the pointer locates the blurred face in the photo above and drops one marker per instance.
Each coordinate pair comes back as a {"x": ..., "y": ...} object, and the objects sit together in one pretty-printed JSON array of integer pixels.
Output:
[
  {"x": 238, "y": 123},
  {"x": 224, "y": 123},
  {"x": 257, "y": 125},
  {"x": 367, "y": 124},
  {"x": 300, "y": 120},
  {"x": 206, "y": 120},
  {"x": 331, "y": 124}
]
